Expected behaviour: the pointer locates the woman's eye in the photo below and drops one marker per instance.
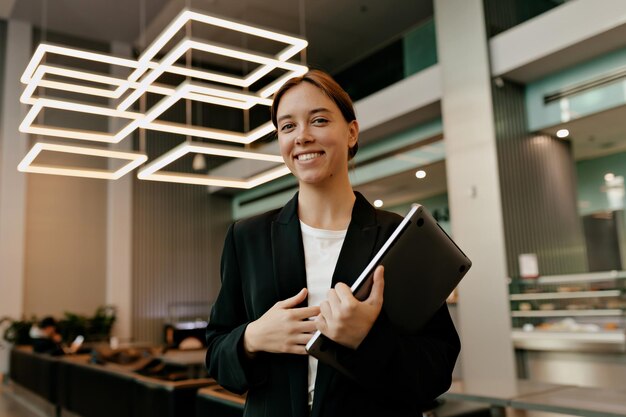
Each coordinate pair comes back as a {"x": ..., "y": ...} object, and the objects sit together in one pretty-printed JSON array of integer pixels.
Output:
[
  {"x": 320, "y": 120},
  {"x": 286, "y": 127}
]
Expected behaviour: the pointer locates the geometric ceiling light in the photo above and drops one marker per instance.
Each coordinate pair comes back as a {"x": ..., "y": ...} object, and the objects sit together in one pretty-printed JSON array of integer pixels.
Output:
[
  {"x": 144, "y": 76},
  {"x": 295, "y": 45},
  {"x": 152, "y": 171},
  {"x": 183, "y": 90},
  {"x": 28, "y": 165},
  {"x": 146, "y": 121}
]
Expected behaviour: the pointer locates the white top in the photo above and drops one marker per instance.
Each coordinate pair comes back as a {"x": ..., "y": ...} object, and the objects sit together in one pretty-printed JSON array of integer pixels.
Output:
[{"x": 321, "y": 251}]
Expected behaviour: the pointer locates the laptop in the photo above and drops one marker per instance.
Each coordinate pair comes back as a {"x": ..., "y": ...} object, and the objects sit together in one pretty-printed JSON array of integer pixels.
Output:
[{"x": 422, "y": 264}]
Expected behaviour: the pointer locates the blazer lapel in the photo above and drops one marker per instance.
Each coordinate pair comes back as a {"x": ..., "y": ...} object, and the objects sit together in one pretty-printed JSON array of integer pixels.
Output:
[
  {"x": 356, "y": 252},
  {"x": 290, "y": 278},
  {"x": 288, "y": 251},
  {"x": 358, "y": 246}
]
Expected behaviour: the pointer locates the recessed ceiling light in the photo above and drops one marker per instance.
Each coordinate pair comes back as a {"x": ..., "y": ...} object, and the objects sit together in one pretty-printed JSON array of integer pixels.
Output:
[
  {"x": 378, "y": 203},
  {"x": 562, "y": 133},
  {"x": 420, "y": 174},
  {"x": 609, "y": 177}
]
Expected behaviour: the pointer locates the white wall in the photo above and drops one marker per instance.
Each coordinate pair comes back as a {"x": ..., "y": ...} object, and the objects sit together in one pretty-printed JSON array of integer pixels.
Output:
[
  {"x": 119, "y": 230},
  {"x": 474, "y": 192},
  {"x": 13, "y": 146}
]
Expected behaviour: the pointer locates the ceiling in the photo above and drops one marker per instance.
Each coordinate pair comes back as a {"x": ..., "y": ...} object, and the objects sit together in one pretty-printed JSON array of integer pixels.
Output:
[
  {"x": 339, "y": 32},
  {"x": 597, "y": 135},
  {"x": 405, "y": 187},
  {"x": 594, "y": 136}
]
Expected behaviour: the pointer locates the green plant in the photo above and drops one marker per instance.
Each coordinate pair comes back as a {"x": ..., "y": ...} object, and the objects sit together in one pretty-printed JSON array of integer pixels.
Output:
[
  {"x": 18, "y": 331},
  {"x": 101, "y": 323},
  {"x": 94, "y": 329}
]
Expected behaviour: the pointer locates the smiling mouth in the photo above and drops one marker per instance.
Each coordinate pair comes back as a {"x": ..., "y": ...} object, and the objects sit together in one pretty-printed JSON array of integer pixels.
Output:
[{"x": 309, "y": 156}]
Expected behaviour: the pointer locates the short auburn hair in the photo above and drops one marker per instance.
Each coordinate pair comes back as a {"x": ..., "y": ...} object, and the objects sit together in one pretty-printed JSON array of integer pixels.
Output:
[{"x": 330, "y": 87}]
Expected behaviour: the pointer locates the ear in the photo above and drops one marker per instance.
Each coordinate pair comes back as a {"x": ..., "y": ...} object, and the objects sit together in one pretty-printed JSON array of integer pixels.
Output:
[{"x": 353, "y": 132}]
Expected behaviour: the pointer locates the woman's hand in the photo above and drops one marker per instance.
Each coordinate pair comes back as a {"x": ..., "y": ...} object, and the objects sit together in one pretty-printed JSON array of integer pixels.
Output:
[
  {"x": 282, "y": 329},
  {"x": 347, "y": 320}
]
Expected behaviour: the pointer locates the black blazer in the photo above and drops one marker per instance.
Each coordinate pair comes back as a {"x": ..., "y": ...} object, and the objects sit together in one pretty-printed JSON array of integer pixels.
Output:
[{"x": 263, "y": 263}]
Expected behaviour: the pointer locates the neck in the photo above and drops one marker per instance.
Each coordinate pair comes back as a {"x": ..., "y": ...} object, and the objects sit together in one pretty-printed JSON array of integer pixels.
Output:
[{"x": 327, "y": 208}]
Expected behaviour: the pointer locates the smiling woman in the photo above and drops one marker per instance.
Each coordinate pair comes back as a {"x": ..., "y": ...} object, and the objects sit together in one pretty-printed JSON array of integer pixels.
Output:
[
  {"x": 286, "y": 274},
  {"x": 316, "y": 139}
]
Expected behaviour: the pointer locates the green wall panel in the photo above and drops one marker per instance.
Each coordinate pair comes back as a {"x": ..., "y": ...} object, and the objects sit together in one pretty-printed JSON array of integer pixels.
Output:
[
  {"x": 592, "y": 192},
  {"x": 420, "y": 48},
  {"x": 437, "y": 205},
  {"x": 541, "y": 115}
]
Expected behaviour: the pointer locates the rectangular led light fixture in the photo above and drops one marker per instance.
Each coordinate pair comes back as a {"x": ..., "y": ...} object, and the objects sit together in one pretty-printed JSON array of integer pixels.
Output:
[
  {"x": 152, "y": 170},
  {"x": 186, "y": 16},
  {"x": 150, "y": 122},
  {"x": 28, "y": 125},
  {"x": 27, "y": 164},
  {"x": 207, "y": 87},
  {"x": 187, "y": 44}
]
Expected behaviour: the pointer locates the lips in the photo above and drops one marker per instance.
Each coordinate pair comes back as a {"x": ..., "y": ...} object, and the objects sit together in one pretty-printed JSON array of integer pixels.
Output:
[{"x": 308, "y": 156}]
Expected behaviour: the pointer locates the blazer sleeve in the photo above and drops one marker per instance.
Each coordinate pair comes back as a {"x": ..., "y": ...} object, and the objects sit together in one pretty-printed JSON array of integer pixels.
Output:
[
  {"x": 225, "y": 358},
  {"x": 416, "y": 368}
]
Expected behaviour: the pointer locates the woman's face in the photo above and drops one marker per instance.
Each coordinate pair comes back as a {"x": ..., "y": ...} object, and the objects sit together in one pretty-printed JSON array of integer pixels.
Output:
[{"x": 313, "y": 135}]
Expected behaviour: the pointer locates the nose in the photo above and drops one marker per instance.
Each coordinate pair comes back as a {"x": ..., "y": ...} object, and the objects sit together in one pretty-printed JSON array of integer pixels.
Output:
[{"x": 303, "y": 136}]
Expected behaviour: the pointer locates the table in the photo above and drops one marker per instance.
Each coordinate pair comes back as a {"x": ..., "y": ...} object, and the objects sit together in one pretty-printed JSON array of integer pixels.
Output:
[
  {"x": 184, "y": 357},
  {"x": 216, "y": 401},
  {"x": 581, "y": 401},
  {"x": 540, "y": 396},
  {"x": 192, "y": 360},
  {"x": 498, "y": 394}
]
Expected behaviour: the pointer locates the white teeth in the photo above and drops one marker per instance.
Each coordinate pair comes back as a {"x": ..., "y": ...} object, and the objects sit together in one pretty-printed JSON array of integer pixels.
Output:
[{"x": 308, "y": 156}]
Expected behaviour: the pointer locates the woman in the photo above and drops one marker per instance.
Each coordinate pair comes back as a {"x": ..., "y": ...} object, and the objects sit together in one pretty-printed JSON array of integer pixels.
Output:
[{"x": 278, "y": 269}]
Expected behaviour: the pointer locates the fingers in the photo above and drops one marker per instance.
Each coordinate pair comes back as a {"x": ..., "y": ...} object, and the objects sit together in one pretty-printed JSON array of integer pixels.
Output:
[
  {"x": 321, "y": 324},
  {"x": 303, "y": 313},
  {"x": 333, "y": 302},
  {"x": 325, "y": 310},
  {"x": 297, "y": 350},
  {"x": 344, "y": 293},
  {"x": 296, "y": 344},
  {"x": 376, "y": 295},
  {"x": 302, "y": 339},
  {"x": 294, "y": 301},
  {"x": 306, "y": 326}
]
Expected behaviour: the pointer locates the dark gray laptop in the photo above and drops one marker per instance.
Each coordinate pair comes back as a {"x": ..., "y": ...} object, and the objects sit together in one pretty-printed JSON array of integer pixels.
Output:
[{"x": 422, "y": 267}]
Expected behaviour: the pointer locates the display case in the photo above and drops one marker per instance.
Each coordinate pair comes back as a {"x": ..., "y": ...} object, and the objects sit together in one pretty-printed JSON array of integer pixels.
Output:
[{"x": 580, "y": 313}]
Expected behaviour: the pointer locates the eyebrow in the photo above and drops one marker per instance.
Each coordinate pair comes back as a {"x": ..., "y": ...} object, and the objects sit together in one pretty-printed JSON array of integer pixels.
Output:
[{"x": 317, "y": 110}]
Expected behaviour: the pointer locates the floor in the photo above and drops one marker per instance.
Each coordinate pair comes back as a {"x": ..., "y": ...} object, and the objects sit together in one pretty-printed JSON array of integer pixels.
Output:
[
  {"x": 14, "y": 406},
  {"x": 23, "y": 404}
]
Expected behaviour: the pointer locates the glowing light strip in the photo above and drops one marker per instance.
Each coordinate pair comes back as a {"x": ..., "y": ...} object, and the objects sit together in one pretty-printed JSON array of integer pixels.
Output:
[
  {"x": 296, "y": 44},
  {"x": 268, "y": 63},
  {"x": 87, "y": 108},
  {"x": 186, "y": 44},
  {"x": 150, "y": 171},
  {"x": 141, "y": 82},
  {"x": 43, "y": 49},
  {"x": 209, "y": 133},
  {"x": 200, "y": 91},
  {"x": 144, "y": 62},
  {"x": 148, "y": 122},
  {"x": 27, "y": 125},
  {"x": 139, "y": 120},
  {"x": 218, "y": 96},
  {"x": 26, "y": 165},
  {"x": 46, "y": 48}
]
